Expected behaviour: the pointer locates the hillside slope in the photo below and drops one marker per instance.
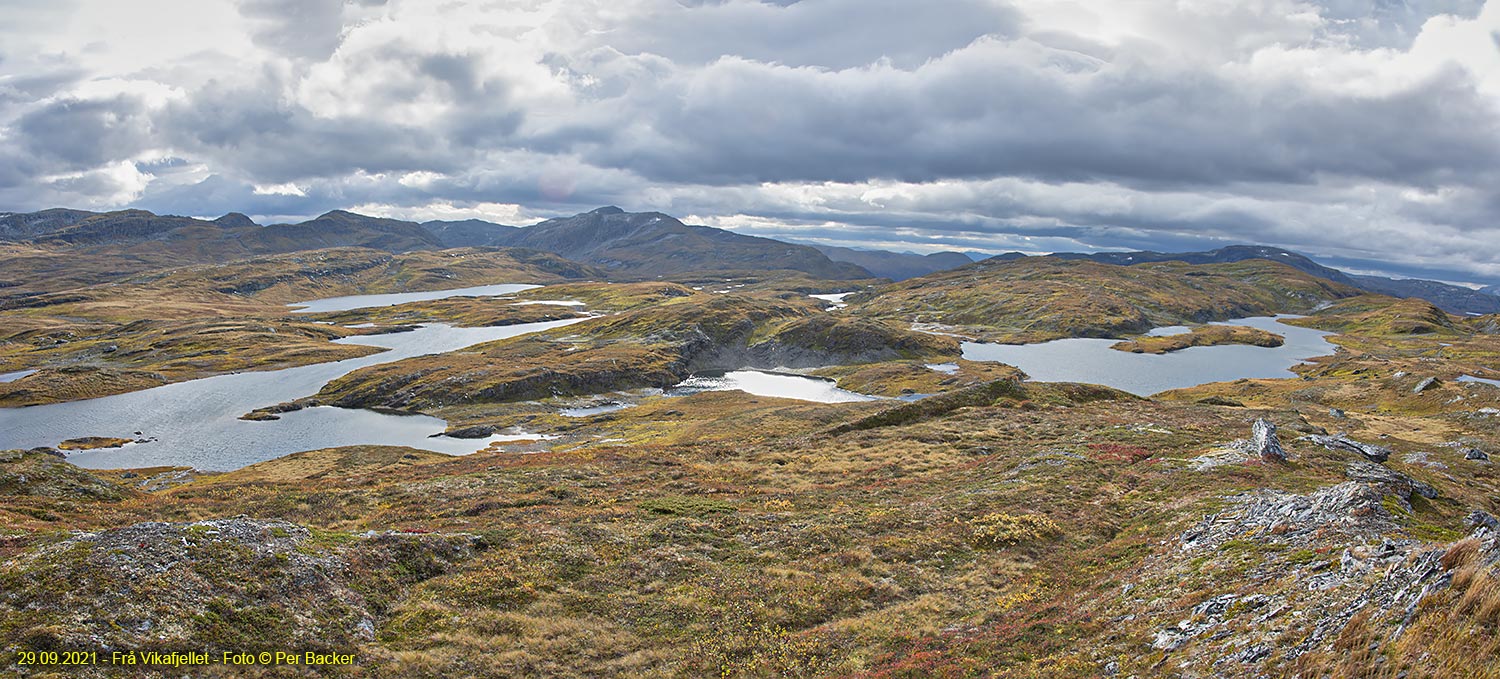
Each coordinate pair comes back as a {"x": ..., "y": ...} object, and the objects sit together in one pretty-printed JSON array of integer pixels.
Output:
[
  {"x": 1452, "y": 298},
  {"x": 655, "y": 244},
  {"x": 470, "y": 232},
  {"x": 1040, "y": 298}
]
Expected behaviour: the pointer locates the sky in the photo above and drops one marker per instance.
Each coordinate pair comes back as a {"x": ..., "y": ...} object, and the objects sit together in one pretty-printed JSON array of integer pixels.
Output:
[{"x": 1365, "y": 132}]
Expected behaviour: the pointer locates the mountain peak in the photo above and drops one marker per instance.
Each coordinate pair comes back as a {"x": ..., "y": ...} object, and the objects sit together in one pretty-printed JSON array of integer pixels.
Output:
[
  {"x": 235, "y": 219},
  {"x": 653, "y": 244}
]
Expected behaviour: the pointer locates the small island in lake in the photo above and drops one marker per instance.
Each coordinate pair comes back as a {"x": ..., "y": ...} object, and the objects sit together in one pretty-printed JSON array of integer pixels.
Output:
[{"x": 1202, "y": 336}]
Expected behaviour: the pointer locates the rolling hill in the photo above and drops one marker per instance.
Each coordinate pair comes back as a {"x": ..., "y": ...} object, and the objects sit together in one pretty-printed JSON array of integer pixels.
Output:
[
  {"x": 626, "y": 244},
  {"x": 1040, "y": 298},
  {"x": 1451, "y": 298},
  {"x": 655, "y": 244}
]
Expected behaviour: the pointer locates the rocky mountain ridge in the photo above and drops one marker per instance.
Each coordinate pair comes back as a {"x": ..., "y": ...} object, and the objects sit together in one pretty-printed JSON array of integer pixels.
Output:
[{"x": 642, "y": 245}]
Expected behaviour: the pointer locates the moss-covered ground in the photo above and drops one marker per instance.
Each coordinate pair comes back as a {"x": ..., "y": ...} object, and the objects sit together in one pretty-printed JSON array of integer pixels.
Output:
[{"x": 999, "y": 528}]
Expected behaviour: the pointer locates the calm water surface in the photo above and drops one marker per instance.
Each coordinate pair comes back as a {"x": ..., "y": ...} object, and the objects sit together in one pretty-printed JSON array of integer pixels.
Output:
[
  {"x": 1092, "y": 361},
  {"x": 761, "y": 383},
  {"x": 196, "y": 423},
  {"x": 392, "y": 299},
  {"x": 834, "y": 299}
]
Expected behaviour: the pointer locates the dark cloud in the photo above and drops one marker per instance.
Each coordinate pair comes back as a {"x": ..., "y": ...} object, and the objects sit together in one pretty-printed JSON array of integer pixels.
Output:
[
  {"x": 1314, "y": 125},
  {"x": 275, "y": 143},
  {"x": 73, "y": 134},
  {"x": 1002, "y": 109}
]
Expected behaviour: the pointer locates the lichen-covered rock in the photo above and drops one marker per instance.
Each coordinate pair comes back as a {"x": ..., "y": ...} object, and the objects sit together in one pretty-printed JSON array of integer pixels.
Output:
[
  {"x": 1341, "y": 442},
  {"x": 223, "y": 584},
  {"x": 1264, "y": 442},
  {"x": 1399, "y": 484},
  {"x": 1351, "y": 508}
]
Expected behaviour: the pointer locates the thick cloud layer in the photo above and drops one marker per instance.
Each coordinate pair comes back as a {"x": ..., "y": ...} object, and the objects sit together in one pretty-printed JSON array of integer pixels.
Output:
[{"x": 1362, "y": 130}]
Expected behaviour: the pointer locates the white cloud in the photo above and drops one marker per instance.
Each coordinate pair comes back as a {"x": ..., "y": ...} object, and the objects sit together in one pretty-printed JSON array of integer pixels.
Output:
[
  {"x": 509, "y": 214},
  {"x": 287, "y": 189},
  {"x": 1363, "y": 128}
]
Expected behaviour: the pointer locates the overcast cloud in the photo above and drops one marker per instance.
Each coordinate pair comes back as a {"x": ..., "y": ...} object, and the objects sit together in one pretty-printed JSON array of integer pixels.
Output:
[{"x": 1363, "y": 131}]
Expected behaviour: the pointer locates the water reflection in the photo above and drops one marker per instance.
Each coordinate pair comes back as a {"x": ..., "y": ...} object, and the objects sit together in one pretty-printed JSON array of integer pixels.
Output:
[
  {"x": 367, "y": 301},
  {"x": 1093, "y": 362},
  {"x": 761, "y": 383},
  {"x": 196, "y": 423}
]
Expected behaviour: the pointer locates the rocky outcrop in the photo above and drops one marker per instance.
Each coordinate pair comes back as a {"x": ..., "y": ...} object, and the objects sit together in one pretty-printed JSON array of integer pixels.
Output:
[
  {"x": 1368, "y": 576},
  {"x": 1351, "y": 508},
  {"x": 478, "y": 431},
  {"x": 1263, "y": 441},
  {"x": 42, "y": 473},
  {"x": 1389, "y": 480},
  {"x": 1340, "y": 442},
  {"x": 186, "y": 584},
  {"x": 1209, "y": 615}
]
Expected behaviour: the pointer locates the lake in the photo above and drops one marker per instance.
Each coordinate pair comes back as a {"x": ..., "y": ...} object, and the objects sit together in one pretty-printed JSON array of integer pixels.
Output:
[
  {"x": 392, "y": 299},
  {"x": 763, "y": 383},
  {"x": 196, "y": 423},
  {"x": 835, "y": 299},
  {"x": 1092, "y": 361}
]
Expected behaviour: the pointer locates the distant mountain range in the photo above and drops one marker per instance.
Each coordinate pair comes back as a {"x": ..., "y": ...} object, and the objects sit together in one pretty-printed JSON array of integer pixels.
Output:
[
  {"x": 470, "y": 233},
  {"x": 610, "y": 234},
  {"x": 232, "y": 236},
  {"x": 647, "y": 244},
  {"x": 897, "y": 266},
  {"x": 631, "y": 244},
  {"x": 1450, "y": 298},
  {"x": 638, "y": 245}
]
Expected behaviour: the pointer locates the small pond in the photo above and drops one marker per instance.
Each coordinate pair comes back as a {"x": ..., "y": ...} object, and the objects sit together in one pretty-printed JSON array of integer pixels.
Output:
[{"x": 764, "y": 383}]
